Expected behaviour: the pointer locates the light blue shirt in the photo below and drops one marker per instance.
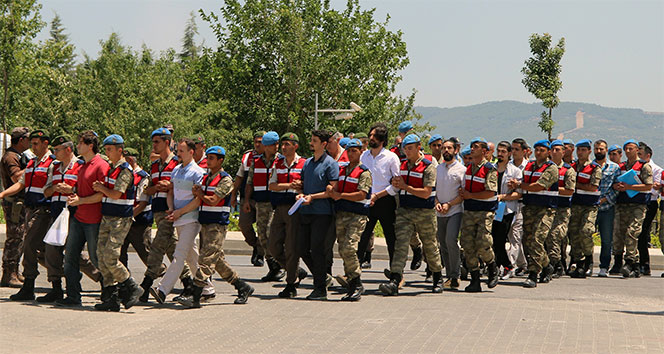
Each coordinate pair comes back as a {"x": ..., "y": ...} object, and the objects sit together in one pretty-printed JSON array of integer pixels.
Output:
[{"x": 183, "y": 179}]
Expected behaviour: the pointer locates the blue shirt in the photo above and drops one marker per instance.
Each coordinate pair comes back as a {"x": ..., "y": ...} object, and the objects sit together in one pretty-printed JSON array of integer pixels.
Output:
[
  {"x": 183, "y": 179},
  {"x": 610, "y": 173},
  {"x": 316, "y": 175}
]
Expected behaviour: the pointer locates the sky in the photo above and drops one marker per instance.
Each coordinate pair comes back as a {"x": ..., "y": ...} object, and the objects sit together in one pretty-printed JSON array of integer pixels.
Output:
[{"x": 461, "y": 52}]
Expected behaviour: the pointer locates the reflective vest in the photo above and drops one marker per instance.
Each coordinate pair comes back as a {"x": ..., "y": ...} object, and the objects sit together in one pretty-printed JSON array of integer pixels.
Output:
[
  {"x": 581, "y": 197},
  {"x": 623, "y": 198},
  {"x": 286, "y": 174},
  {"x": 349, "y": 184},
  {"x": 476, "y": 183},
  {"x": 59, "y": 200},
  {"x": 220, "y": 212},
  {"x": 260, "y": 180},
  {"x": 159, "y": 199},
  {"x": 563, "y": 200},
  {"x": 247, "y": 160},
  {"x": 124, "y": 206},
  {"x": 203, "y": 162},
  {"x": 397, "y": 150},
  {"x": 343, "y": 159},
  {"x": 146, "y": 216},
  {"x": 546, "y": 198},
  {"x": 415, "y": 178},
  {"x": 36, "y": 174}
]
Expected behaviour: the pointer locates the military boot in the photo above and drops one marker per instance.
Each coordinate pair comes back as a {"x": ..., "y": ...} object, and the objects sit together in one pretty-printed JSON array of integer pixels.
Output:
[
  {"x": 617, "y": 265},
  {"x": 558, "y": 270},
  {"x": 545, "y": 275},
  {"x": 27, "y": 292},
  {"x": 11, "y": 278},
  {"x": 55, "y": 294},
  {"x": 131, "y": 292},
  {"x": 531, "y": 281},
  {"x": 579, "y": 271},
  {"x": 187, "y": 288},
  {"x": 416, "y": 262},
  {"x": 474, "y": 286},
  {"x": 192, "y": 301},
  {"x": 110, "y": 299},
  {"x": 244, "y": 290},
  {"x": 146, "y": 285},
  {"x": 437, "y": 287},
  {"x": 392, "y": 287},
  {"x": 492, "y": 270},
  {"x": 352, "y": 287},
  {"x": 275, "y": 273}
]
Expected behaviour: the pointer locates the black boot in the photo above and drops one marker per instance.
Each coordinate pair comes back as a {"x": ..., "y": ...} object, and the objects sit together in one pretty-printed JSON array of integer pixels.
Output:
[
  {"x": 366, "y": 264},
  {"x": 27, "y": 292},
  {"x": 428, "y": 275},
  {"x": 545, "y": 275},
  {"x": 355, "y": 290},
  {"x": 55, "y": 294},
  {"x": 645, "y": 269},
  {"x": 617, "y": 264},
  {"x": 492, "y": 270},
  {"x": 244, "y": 290},
  {"x": 275, "y": 273},
  {"x": 289, "y": 292},
  {"x": 531, "y": 281},
  {"x": 580, "y": 271},
  {"x": 146, "y": 285},
  {"x": 437, "y": 287},
  {"x": 416, "y": 262},
  {"x": 258, "y": 262},
  {"x": 392, "y": 287},
  {"x": 192, "y": 301},
  {"x": 254, "y": 255},
  {"x": 110, "y": 300},
  {"x": 558, "y": 270},
  {"x": 187, "y": 288},
  {"x": 130, "y": 292},
  {"x": 474, "y": 286}
]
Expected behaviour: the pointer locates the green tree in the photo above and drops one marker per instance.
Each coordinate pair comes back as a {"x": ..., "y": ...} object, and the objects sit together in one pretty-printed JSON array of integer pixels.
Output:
[
  {"x": 189, "y": 47},
  {"x": 542, "y": 75}
]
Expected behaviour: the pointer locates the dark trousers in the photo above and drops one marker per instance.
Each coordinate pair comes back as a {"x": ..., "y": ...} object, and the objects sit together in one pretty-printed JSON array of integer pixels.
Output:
[
  {"x": 383, "y": 210},
  {"x": 499, "y": 231},
  {"x": 312, "y": 240},
  {"x": 139, "y": 237},
  {"x": 644, "y": 237}
]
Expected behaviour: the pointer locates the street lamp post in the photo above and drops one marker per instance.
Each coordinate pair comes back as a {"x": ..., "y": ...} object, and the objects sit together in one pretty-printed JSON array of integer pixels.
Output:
[{"x": 344, "y": 113}]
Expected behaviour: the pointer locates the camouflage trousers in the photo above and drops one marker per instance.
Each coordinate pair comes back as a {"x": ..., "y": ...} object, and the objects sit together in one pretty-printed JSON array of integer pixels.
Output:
[
  {"x": 112, "y": 233},
  {"x": 556, "y": 238},
  {"x": 264, "y": 213},
  {"x": 15, "y": 217},
  {"x": 349, "y": 231},
  {"x": 422, "y": 221},
  {"x": 37, "y": 223},
  {"x": 537, "y": 222},
  {"x": 581, "y": 229},
  {"x": 211, "y": 255},
  {"x": 629, "y": 227},
  {"x": 163, "y": 244},
  {"x": 476, "y": 239}
]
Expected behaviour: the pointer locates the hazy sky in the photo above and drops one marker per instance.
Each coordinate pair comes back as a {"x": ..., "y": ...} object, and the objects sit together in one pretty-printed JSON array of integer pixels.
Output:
[{"x": 461, "y": 52}]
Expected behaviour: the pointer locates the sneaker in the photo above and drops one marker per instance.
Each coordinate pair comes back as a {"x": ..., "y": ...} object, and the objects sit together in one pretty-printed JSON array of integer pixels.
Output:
[
  {"x": 603, "y": 273},
  {"x": 507, "y": 273},
  {"x": 451, "y": 284},
  {"x": 366, "y": 265},
  {"x": 520, "y": 272}
]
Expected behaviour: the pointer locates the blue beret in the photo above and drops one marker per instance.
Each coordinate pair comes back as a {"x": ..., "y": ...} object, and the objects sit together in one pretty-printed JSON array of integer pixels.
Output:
[
  {"x": 434, "y": 138},
  {"x": 544, "y": 143},
  {"x": 354, "y": 143},
  {"x": 568, "y": 142},
  {"x": 557, "y": 142},
  {"x": 113, "y": 139},
  {"x": 218, "y": 150},
  {"x": 270, "y": 138},
  {"x": 465, "y": 151},
  {"x": 410, "y": 139},
  {"x": 478, "y": 139},
  {"x": 614, "y": 147},
  {"x": 404, "y": 127},
  {"x": 584, "y": 143},
  {"x": 344, "y": 141},
  {"x": 631, "y": 141},
  {"x": 160, "y": 131}
]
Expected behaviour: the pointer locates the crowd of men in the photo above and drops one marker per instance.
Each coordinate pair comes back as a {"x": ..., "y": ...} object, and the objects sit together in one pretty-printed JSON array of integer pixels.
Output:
[{"x": 465, "y": 210}]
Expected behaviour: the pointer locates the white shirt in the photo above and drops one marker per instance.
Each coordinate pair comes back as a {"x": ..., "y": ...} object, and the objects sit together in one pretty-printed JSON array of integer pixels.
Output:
[
  {"x": 449, "y": 178},
  {"x": 511, "y": 172},
  {"x": 383, "y": 167},
  {"x": 656, "y": 177}
]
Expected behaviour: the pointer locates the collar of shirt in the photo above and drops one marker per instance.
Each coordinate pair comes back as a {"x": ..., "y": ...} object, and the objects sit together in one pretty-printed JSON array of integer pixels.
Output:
[
  {"x": 295, "y": 159},
  {"x": 411, "y": 165},
  {"x": 120, "y": 162},
  {"x": 46, "y": 156},
  {"x": 163, "y": 164}
]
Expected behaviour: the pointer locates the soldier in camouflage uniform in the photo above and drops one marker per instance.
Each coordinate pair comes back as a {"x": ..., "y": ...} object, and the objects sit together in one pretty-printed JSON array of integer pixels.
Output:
[
  {"x": 540, "y": 193},
  {"x": 257, "y": 190},
  {"x": 117, "y": 208},
  {"x": 632, "y": 210},
  {"x": 480, "y": 203},
  {"x": 555, "y": 244},
  {"x": 415, "y": 213},
  {"x": 585, "y": 204},
  {"x": 352, "y": 197}
]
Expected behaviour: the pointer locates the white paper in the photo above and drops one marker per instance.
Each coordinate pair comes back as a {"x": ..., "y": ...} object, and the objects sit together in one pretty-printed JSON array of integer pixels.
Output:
[
  {"x": 57, "y": 234},
  {"x": 295, "y": 206}
]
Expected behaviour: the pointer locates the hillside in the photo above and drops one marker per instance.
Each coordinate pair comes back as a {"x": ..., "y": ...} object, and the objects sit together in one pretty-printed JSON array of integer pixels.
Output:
[{"x": 505, "y": 120}]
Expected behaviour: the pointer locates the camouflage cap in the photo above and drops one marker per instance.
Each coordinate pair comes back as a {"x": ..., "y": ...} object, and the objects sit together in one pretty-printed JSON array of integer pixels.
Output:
[
  {"x": 130, "y": 152},
  {"x": 198, "y": 139},
  {"x": 259, "y": 134}
]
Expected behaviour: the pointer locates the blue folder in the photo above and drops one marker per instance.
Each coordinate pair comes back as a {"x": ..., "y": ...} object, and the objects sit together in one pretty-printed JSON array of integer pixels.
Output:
[
  {"x": 500, "y": 212},
  {"x": 630, "y": 177}
]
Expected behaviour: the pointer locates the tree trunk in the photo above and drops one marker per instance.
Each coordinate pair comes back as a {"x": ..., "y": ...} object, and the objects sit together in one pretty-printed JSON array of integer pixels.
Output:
[{"x": 551, "y": 119}]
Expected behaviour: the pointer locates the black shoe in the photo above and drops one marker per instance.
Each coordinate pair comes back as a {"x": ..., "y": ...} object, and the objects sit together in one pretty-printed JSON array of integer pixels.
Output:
[
  {"x": 318, "y": 294},
  {"x": 366, "y": 263},
  {"x": 27, "y": 292},
  {"x": 428, "y": 275},
  {"x": 259, "y": 261},
  {"x": 545, "y": 275},
  {"x": 355, "y": 290},
  {"x": 146, "y": 285},
  {"x": 558, "y": 270},
  {"x": 391, "y": 288},
  {"x": 579, "y": 272},
  {"x": 131, "y": 292},
  {"x": 55, "y": 294},
  {"x": 244, "y": 290},
  {"x": 437, "y": 287},
  {"x": 301, "y": 275},
  {"x": 254, "y": 255},
  {"x": 275, "y": 273},
  {"x": 626, "y": 269},
  {"x": 531, "y": 281},
  {"x": 158, "y": 295},
  {"x": 416, "y": 262},
  {"x": 110, "y": 300},
  {"x": 387, "y": 273},
  {"x": 463, "y": 273},
  {"x": 68, "y": 302},
  {"x": 474, "y": 286},
  {"x": 520, "y": 272},
  {"x": 617, "y": 265},
  {"x": 289, "y": 292},
  {"x": 492, "y": 274},
  {"x": 645, "y": 269},
  {"x": 192, "y": 301}
]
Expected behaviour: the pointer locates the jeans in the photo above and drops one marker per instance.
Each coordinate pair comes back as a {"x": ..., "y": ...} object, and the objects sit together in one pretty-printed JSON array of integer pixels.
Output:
[
  {"x": 79, "y": 234},
  {"x": 605, "y": 226}
]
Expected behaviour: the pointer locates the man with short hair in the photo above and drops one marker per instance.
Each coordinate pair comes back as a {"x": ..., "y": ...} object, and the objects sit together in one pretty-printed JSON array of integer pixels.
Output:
[
  {"x": 568, "y": 156},
  {"x": 199, "y": 154},
  {"x": 606, "y": 210},
  {"x": 465, "y": 156},
  {"x": 491, "y": 147},
  {"x": 615, "y": 154},
  {"x": 364, "y": 138},
  {"x": 515, "y": 236},
  {"x": 645, "y": 154},
  {"x": 436, "y": 146}
]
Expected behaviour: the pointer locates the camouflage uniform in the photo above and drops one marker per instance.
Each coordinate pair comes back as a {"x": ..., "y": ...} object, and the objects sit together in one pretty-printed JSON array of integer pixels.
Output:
[
  {"x": 556, "y": 241},
  {"x": 582, "y": 223},
  {"x": 264, "y": 212},
  {"x": 422, "y": 221},
  {"x": 476, "y": 239},
  {"x": 631, "y": 220},
  {"x": 14, "y": 211},
  {"x": 349, "y": 228},
  {"x": 112, "y": 233},
  {"x": 537, "y": 221}
]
